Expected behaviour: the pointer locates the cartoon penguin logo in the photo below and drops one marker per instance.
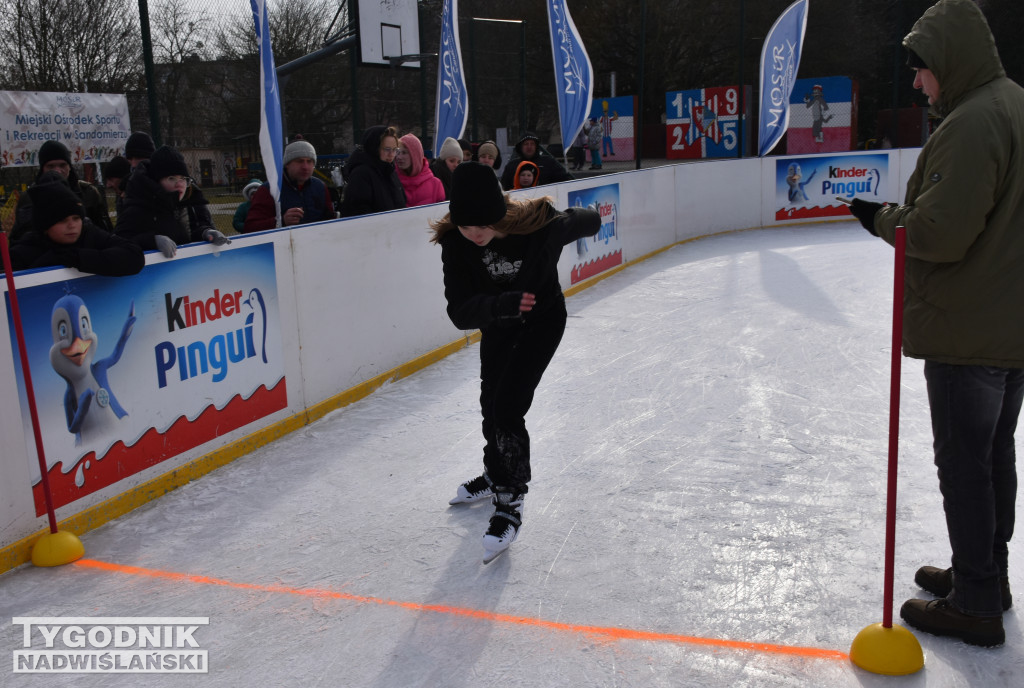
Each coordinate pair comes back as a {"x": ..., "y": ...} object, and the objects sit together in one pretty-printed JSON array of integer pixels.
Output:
[
  {"x": 259, "y": 310},
  {"x": 90, "y": 407},
  {"x": 796, "y": 187}
]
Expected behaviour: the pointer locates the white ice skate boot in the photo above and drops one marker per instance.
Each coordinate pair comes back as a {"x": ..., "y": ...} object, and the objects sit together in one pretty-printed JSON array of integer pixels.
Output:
[
  {"x": 472, "y": 491},
  {"x": 504, "y": 526}
]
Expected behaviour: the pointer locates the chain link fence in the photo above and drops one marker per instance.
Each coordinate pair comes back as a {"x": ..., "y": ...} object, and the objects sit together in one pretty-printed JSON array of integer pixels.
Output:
[{"x": 204, "y": 73}]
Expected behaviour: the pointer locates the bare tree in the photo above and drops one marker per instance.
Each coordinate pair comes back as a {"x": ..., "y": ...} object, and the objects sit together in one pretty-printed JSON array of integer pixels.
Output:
[
  {"x": 316, "y": 98},
  {"x": 69, "y": 45},
  {"x": 180, "y": 40}
]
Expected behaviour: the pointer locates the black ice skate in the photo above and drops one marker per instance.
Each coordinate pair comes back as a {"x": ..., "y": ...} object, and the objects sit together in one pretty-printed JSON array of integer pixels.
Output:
[
  {"x": 504, "y": 525},
  {"x": 474, "y": 490}
]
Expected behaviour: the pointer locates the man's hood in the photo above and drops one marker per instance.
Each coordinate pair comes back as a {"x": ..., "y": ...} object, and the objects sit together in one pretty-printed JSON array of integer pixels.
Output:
[{"x": 954, "y": 40}]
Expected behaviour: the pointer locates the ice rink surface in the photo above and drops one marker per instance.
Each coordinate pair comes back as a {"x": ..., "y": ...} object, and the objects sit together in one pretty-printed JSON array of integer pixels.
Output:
[{"x": 707, "y": 507}]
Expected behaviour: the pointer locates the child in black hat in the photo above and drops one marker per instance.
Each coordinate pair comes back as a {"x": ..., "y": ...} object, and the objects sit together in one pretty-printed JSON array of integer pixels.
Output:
[
  {"x": 500, "y": 260},
  {"x": 55, "y": 158},
  {"x": 163, "y": 209},
  {"x": 63, "y": 235}
]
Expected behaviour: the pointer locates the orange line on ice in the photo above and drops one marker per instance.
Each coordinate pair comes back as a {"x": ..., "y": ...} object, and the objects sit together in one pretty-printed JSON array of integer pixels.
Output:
[{"x": 606, "y": 631}]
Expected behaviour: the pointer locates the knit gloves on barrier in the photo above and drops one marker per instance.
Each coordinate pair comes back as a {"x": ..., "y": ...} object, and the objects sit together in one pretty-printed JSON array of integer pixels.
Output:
[
  {"x": 166, "y": 245},
  {"x": 214, "y": 237}
]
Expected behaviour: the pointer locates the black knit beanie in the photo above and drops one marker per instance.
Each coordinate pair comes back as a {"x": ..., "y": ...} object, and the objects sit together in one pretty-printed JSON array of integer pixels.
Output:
[
  {"x": 476, "y": 199},
  {"x": 139, "y": 145},
  {"x": 51, "y": 203},
  {"x": 117, "y": 168},
  {"x": 166, "y": 162},
  {"x": 53, "y": 150}
]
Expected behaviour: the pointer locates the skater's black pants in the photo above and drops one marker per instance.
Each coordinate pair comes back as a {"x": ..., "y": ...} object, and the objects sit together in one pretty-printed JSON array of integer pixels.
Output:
[
  {"x": 974, "y": 413},
  {"x": 512, "y": 362}
]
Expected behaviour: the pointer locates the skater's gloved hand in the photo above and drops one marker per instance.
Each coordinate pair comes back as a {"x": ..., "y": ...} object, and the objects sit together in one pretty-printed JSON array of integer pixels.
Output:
[
  {"x": 865, "y": 212},
  {"x": 166, "y": 246},
  {"x": 214, "y": 237},
  {"x": 512, "y": 304}
]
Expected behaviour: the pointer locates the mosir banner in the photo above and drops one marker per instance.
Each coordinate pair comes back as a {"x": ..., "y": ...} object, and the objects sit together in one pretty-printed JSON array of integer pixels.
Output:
[{"x": 93, "y": 126}]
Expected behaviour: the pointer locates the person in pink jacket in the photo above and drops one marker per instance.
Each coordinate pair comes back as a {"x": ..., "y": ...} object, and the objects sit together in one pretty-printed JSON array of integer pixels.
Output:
[{"x": 421, "y": 186}]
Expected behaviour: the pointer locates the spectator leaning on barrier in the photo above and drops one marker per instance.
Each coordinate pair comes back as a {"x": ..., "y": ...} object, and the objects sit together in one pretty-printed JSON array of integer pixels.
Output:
[
  {"x": 304, "y": 198},
  {"x": 63, "y": 235},
  {"x": 163, "y": 209},
  {"x": 54, "y": 156},
  {"x": 372, "y": 183},
  {"x": 963, "y": 299},
  {"x": 528, "y": 148}
]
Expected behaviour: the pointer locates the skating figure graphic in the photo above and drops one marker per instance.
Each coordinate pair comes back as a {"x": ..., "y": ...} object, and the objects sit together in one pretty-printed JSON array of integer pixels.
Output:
[{"x": 816, "y": 101}]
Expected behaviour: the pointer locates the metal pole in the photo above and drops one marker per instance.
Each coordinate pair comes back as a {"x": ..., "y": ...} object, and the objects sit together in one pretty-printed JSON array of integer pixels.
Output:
[
  {"x": 522, "y": 80},
  {"x": 147, "y": 62},
  {"x": 357, "y": 128},
  {"x": 894, "y": 124},
  {"x": 640, "y": 81},
  {"x": 472, "y": 74},
  {"x": 742, "y": 103}
]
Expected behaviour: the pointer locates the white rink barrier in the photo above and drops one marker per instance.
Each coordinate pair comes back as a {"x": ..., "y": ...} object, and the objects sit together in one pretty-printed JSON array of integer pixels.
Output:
[{"x": 199, "y": 359}]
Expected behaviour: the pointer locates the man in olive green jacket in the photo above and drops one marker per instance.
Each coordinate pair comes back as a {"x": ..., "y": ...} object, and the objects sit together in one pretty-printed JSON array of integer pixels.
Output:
[{"x": 964, "y": 307}]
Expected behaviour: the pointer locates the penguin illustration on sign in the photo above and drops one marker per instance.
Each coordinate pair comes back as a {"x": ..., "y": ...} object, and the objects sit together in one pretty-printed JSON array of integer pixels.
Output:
[{"x": 90, "y": 407}]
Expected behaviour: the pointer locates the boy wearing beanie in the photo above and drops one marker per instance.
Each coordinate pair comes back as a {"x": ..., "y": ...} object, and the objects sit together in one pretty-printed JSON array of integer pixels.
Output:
[
  {"x": 304, "y": 198},
  {"x": 63, "y": 235}
]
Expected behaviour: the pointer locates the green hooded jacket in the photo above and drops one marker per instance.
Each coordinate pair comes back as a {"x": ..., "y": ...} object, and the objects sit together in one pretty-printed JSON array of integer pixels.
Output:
[{"x": 964, "y": 209}]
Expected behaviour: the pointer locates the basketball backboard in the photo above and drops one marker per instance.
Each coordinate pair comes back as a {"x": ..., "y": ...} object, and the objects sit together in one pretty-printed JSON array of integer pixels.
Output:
[{"x": 388, "y": 28}]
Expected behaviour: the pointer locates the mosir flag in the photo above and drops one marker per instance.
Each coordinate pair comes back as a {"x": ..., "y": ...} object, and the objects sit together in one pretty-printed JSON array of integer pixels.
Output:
[
  {"x": 780, "y": 59},
  {"x": 452, "y": 99},
  {"x": 574, "y": 76},
  {"x": 271, "y": 138}
]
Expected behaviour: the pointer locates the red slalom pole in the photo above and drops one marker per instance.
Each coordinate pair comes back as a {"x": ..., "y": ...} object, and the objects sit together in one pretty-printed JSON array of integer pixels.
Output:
[
  {"x": 894, "y": 421},
  {"x": 16, "y": 314},
  {"x": 883, "y": 648}
]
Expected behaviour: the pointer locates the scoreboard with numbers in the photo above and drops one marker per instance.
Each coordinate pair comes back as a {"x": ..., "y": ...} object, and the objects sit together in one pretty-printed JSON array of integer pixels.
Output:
[{"x": 705, "y": 123}]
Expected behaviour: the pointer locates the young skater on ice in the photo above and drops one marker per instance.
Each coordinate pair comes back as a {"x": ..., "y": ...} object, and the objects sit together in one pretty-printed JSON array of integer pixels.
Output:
[{"x": 500, "y": 276}]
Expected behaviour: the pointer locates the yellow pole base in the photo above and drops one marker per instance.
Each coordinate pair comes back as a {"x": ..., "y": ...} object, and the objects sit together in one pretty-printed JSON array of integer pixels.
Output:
[
  {"x": 890, "y": 651},
  {"x": 57, "y": 549}
]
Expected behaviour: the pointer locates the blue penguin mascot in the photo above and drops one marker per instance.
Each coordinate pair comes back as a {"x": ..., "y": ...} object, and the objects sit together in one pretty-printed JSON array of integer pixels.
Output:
[{"x": 90, "y": 407}]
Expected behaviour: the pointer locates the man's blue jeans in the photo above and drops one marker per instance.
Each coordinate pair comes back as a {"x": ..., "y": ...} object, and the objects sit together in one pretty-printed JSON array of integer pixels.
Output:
[{"x": 974, "y": 413}]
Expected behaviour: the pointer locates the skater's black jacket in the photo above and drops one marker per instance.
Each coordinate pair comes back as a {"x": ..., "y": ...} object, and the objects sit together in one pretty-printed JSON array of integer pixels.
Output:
[{"x": 473, "y": 294}]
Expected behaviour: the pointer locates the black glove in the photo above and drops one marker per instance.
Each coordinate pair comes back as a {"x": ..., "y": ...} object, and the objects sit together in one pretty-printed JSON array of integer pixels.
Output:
[
  {"x": 865, "y": 212},
  {"x": 507, "y": 305}
]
